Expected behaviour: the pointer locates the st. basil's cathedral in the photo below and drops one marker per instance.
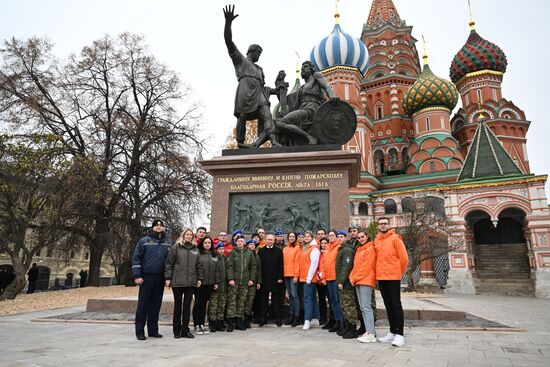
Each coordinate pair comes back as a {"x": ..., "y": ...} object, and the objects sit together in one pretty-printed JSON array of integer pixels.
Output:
[{"x": 472, "y": 165}]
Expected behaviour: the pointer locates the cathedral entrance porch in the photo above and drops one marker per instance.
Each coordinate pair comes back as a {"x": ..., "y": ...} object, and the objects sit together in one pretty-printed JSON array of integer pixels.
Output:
[{"x": 500, "y": 253}]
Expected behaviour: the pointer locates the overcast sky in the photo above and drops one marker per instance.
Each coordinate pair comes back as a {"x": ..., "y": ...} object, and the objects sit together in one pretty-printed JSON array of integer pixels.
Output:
[{"x": 188, "y": 37}]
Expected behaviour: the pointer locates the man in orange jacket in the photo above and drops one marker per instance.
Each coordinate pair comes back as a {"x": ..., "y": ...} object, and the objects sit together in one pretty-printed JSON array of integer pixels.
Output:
[{"x": 391, "y": 263}]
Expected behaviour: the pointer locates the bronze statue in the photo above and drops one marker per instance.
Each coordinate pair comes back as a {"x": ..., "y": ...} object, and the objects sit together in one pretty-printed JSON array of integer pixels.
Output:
[
  {"x": 312, "y": 116},
  {"x": 310, "y": 97},
  {"x": 252, "y": 97}
]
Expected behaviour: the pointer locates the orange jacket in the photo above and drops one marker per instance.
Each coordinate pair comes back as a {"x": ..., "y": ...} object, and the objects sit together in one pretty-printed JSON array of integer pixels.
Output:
[
  {"x": 305, "y": 262},
  {"x": 291, "y": 260},
  {"x": 322, "y": 273},
  {"x": 330, "y": 260},
  {"x": 391, "y": 256},
  {"x": 364, "y": 266}
]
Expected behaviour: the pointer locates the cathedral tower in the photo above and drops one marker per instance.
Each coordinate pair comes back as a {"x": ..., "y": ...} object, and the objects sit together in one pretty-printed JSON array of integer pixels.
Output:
[{"x": 477, "y": 71}]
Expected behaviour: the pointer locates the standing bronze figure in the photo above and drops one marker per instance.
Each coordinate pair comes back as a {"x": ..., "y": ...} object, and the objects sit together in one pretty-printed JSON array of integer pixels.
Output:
[{"x": 252, "y": 97}]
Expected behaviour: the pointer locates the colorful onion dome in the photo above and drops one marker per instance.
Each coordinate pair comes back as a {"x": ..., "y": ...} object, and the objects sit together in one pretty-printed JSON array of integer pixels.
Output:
[
  {"x": 429, "y": 90},
  {"x": 340, "y": 49},
  {"x": 476, "y": 55}
]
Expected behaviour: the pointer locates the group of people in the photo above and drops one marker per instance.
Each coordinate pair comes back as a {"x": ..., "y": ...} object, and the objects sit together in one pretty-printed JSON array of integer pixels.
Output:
[{"x": 237, "y": 281}]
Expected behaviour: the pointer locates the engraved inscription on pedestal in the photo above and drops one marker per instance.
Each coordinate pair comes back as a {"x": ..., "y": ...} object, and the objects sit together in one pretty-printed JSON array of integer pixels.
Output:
[{"x": 291, "y": 211}]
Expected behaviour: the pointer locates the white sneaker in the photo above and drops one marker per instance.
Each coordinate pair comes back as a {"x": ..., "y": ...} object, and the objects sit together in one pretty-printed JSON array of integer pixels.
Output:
[
  {"x": 367, "y": 338},
  {"x": 205, "y": 330},
  {"x": 314, "y": 323},
  {"x": 198, "y": 330},
  {"x": 387, "y": 339},
  {"x": 306, "y": 325},
  {"x": 398, "y": 341}
]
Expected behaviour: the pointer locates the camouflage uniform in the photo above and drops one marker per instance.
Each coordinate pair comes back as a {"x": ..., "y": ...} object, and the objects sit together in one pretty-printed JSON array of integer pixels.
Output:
[
  {"x": 241, "y": 267},
  {"x": 236, "y": 299},
  {"x": 218, "y": 299},
  {"x": 344, "y": 265},
  {"x": 349, "y": 305},
  {"x": 249, "y": 304}
]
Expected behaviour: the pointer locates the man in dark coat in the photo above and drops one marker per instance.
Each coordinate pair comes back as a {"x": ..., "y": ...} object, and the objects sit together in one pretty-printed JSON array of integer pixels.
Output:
[
  {"x": 83, "y": 277},
  {"x": 148, "y": 271},
  {"x": 33, "y": 276},
  {"x": 271, "y": 258}
]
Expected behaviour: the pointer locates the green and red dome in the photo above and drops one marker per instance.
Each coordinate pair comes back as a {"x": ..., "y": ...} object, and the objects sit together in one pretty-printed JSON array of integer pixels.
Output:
[
  {"x": 476, "y": 55},
  {"x": 429, "y": 90}
]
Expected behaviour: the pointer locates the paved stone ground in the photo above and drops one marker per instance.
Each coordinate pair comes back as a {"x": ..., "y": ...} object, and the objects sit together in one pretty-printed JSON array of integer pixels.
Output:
[
  {"x": 27, "y": 343},
  {"x": 470, "y": 322}
]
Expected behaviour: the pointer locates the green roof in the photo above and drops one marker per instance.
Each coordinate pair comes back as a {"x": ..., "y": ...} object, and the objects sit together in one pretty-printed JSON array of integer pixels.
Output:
[
  {"x": 444, "y": 186},
  {"x": 487, "y": 157}
]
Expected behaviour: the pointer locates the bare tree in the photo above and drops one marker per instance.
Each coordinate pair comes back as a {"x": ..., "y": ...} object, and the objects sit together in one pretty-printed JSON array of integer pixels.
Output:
[
  {"x": 31, "y": 171},
  {"x": 425, "y": 231},
  {"x": 118, "y": 112}
]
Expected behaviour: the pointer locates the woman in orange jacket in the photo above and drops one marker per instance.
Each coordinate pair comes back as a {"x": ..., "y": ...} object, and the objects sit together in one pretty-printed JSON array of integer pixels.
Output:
[
  {"x": 291, "y": 268},
  {"x": 363, "y": 277}
]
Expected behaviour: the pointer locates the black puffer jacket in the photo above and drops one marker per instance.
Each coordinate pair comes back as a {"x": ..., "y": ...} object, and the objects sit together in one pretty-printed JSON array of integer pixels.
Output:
[{"x": 183, "y": 267}]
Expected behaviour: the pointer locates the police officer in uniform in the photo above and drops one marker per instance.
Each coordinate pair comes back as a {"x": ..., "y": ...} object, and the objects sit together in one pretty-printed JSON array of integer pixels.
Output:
[{"x": 148, "y": 271}]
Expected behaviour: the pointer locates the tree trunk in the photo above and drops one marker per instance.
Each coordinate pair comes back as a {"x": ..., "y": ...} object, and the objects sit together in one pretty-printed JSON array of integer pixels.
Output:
[
  {"x": 17, "y": 284},
  {"x": 135, "y": 235},
  {"x": 97, "y": 249},
  {"x": 411, "y": 287}
]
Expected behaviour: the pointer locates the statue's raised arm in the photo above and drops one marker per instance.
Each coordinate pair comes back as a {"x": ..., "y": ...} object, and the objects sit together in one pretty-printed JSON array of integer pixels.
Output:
[{"x": 229, "y": 14}]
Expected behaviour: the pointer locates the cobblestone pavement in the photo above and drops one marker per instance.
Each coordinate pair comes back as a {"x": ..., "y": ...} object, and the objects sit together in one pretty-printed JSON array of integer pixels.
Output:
[{"x": 27, "y": 343}]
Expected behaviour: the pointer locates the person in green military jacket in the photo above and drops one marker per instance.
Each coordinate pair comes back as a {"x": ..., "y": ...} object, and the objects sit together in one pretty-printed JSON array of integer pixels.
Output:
[
  {"x": 241, "y": 272},
  {"x": 250, "y": 296},
  {"x": 344, "y": 266},
  {"x": 218, "y": 299}
]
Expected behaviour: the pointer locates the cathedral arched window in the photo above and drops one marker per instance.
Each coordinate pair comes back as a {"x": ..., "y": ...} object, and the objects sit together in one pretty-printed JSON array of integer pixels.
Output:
[
  {"x": 379, "y": 162},
  {"x": 390, "y": 207},
  {"x": 405, "y": 155},
  {"x": 363, "y": 209},
  {"x": 379, "y": 111}
]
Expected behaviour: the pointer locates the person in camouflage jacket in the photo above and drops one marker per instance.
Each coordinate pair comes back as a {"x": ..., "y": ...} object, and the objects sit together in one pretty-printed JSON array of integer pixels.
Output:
[{"x": 241, "y": 272}]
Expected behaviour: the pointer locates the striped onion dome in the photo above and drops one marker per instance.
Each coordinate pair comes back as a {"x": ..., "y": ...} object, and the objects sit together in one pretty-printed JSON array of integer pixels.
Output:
[{"x": 340, "y": 49}]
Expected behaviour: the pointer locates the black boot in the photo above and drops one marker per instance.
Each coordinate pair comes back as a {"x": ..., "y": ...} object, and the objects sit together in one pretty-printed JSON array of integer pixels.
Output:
[
  {"x": 213, "y": 325},
  {"x": 343, "y": 328},
  {"x": 290, "y": 320},
  {"x": 328, "y": 325},
  {"x": 230, "y": 324},
  {"x": 295, "y": 321},
  {"x": 186, "y": 333},
  {"x": 239, "y": 324},
  {"x": 221, "y": 325},
  {"x": 351, "y": 332},
  {"x": 247, "y": 322},
  {"x": 335, "y": 327}
]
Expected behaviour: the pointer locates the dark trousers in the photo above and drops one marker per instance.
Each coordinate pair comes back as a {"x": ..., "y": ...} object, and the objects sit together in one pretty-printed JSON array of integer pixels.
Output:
[
  {"x": 202, "y": 296},
  {"x": 182, "y": 314},
  {"x": 391, "y": 293},
  {"x": 276, "y": 305},
  {"x": 31, "y": 287},
  {"x": 149, "y": 302},
  {"x": 322, "y": 293}
]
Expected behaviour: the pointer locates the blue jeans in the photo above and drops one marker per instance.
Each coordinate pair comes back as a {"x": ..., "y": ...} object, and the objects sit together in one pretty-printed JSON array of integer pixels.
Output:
[
  {"x": 334, "y": 298},
  {"x": 292, "y": 288},
  {"x": 364, "y": 294},
  {"x": 311, "y": 306}
]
